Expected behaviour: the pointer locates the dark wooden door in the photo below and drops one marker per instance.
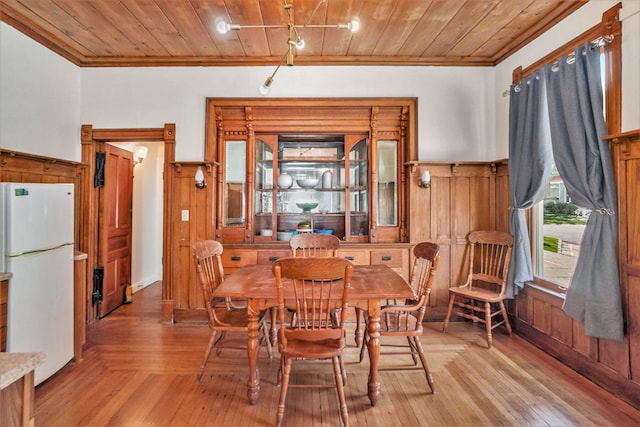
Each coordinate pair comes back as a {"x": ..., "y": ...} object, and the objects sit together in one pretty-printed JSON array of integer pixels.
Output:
[{"x": 116, "y": 204}]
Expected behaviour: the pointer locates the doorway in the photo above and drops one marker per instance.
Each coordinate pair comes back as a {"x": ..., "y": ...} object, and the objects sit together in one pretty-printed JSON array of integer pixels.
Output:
[
  {"x": 93, "y": 141},
  {"x": 147, "y": 215}
]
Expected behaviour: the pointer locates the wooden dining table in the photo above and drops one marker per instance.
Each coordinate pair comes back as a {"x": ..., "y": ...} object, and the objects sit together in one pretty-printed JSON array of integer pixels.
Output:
[{"x": 369, "y": 285}]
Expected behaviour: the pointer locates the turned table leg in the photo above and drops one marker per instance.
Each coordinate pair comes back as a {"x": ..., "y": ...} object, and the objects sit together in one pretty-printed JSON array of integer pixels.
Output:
[
  {"x": 253, "y": 346},
  {"x": 374, "y": 350}
]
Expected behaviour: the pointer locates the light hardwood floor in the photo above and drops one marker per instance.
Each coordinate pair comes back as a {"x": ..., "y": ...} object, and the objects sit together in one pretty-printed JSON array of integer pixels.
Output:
[{"x": 138, "y": 372}]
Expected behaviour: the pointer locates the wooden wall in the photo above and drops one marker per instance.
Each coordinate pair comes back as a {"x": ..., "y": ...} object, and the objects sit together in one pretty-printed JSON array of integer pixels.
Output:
[
  {"x": 198, "y": 204},
  {"x": 627, "y": 149},
  {"x": 463, "y": 197}
]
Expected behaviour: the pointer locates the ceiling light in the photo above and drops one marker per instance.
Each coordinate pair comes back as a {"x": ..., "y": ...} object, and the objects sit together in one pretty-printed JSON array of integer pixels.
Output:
[
  {"x": 353, "y": 25},
  {"x": 295, "y": 39},
  {"x": 264, "y": 87},
  {"x": 224, "y": 27}
]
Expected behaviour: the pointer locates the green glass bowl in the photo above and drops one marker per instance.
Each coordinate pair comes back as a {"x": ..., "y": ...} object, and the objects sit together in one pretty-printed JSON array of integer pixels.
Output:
[{"x": 306, "y": 207}]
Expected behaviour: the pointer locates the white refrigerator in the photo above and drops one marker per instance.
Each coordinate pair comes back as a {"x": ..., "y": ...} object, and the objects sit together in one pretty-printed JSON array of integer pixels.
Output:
[{"x": 37, "y": 247}]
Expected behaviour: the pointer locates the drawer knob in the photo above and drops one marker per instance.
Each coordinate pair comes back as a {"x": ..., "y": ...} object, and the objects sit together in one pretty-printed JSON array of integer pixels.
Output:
[
  {"x": 386, "y": 258},
  {"x": 235, "y": 258},
  {"x": 349, "y": 258},
  {"x": 273, "y": 258}
]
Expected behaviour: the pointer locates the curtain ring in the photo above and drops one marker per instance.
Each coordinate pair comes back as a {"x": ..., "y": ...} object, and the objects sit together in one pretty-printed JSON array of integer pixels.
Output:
[
  {"x": 571, "y": 59},
  {"x": 517, "y": 88},
  {"x": 555, "y": 68}
]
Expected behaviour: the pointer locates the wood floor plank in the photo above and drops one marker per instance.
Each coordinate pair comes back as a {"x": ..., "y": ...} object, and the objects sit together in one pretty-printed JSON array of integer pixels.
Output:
[{"x": 140, "y": 372}]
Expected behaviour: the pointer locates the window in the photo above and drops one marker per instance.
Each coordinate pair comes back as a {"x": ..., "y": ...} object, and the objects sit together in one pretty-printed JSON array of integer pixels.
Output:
[
  {"x": 556, "y": 224},
  {"x": 557, "y": 229}
]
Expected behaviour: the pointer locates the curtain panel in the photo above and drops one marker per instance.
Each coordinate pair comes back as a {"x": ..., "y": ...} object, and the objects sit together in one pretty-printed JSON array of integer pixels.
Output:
[
  {"x": 583, "y": 159},
  {"x": 530, "y": 161}
]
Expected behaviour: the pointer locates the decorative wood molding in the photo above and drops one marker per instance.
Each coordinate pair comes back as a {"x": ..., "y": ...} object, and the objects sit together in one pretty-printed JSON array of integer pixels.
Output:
[
  {"x": 624, "y": 140},
  {"x": 208, "y": 165},
  {"x": 452, "y": 167},
  {"x": 608, "y": 26},
  {"x": 4, "y": 154}
]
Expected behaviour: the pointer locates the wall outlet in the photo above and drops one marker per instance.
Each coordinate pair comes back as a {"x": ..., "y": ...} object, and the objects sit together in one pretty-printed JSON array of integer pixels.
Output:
[{"x": 185, "y": 215}]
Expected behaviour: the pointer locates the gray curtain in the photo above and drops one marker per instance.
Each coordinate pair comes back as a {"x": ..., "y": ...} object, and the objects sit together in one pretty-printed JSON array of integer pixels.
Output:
[
  {"x": 530, "y": 162},
  {"x": 576, "y": 114}
]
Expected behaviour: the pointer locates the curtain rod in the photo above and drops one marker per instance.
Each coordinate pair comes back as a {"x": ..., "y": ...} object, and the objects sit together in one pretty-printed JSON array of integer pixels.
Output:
[{"x": 599, "y": 42}]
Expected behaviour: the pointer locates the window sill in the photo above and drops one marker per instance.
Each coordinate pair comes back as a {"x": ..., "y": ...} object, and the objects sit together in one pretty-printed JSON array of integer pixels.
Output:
[{"x": 546, "y": 287}]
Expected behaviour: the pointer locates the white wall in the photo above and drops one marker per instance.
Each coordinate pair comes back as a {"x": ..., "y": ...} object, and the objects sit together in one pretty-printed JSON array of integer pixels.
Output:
[
  {"x": 454, "y": 114},
  {"x": 147, "y": 218},
  {"x": 584, "y": 18},
  {"x": 39, "y": 98}
]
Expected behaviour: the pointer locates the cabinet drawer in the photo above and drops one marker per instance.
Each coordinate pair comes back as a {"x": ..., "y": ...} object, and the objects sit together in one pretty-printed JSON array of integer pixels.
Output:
[
  {"x": 356, "y": 257},
  {"x": 238, "y": 258},
  {"x": 267, "y": 257},
  {"x": 391, "y": 257}
]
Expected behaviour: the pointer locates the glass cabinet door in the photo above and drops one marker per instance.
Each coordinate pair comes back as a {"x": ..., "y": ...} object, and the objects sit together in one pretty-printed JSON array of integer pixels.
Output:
[
  {"x": 264, "y": 202},
  {"x": 314, "y": 183},
  {"x": 311, "y": 183},
  {"x": 358, "y": 187}
]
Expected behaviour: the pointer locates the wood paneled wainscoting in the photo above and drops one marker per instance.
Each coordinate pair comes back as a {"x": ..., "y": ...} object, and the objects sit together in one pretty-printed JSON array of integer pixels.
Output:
[
  {"x": 463, "y": 197},
  {"x": 192, "y": 219}
]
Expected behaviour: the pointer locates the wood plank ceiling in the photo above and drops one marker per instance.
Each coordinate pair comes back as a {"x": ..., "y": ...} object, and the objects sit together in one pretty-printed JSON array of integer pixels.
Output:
[{"x": 106, "y": 33}]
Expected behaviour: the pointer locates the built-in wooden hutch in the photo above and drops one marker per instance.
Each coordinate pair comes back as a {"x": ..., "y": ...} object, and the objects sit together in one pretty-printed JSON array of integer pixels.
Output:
[{"x": 328, "y": 166}]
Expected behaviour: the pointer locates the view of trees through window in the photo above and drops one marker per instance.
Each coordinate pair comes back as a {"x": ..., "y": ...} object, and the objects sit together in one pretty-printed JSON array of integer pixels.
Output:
[{"x": 563, "y": 224}]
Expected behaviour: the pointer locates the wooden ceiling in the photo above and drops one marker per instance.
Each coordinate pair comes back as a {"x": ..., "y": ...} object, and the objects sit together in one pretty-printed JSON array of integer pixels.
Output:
[{"x": 106, "y": 33}]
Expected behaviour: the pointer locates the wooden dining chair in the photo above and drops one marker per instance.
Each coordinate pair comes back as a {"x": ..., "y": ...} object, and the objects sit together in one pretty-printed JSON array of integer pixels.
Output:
[
  {"x": 312, "y": 287},
  {"x": 314, "y": 244},
  {"x": 482, "y": 296},
  {"x": 404, "y": 318},
  {"x": 224, "y": 315}
]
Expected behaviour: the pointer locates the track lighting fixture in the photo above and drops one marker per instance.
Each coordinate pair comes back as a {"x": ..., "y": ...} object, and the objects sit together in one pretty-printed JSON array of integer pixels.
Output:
[{"x": 295, "y": 41}]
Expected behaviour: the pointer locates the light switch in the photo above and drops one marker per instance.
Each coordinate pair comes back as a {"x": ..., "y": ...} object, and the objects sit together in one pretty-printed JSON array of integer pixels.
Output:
[{"x": 185, "y": 215}]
